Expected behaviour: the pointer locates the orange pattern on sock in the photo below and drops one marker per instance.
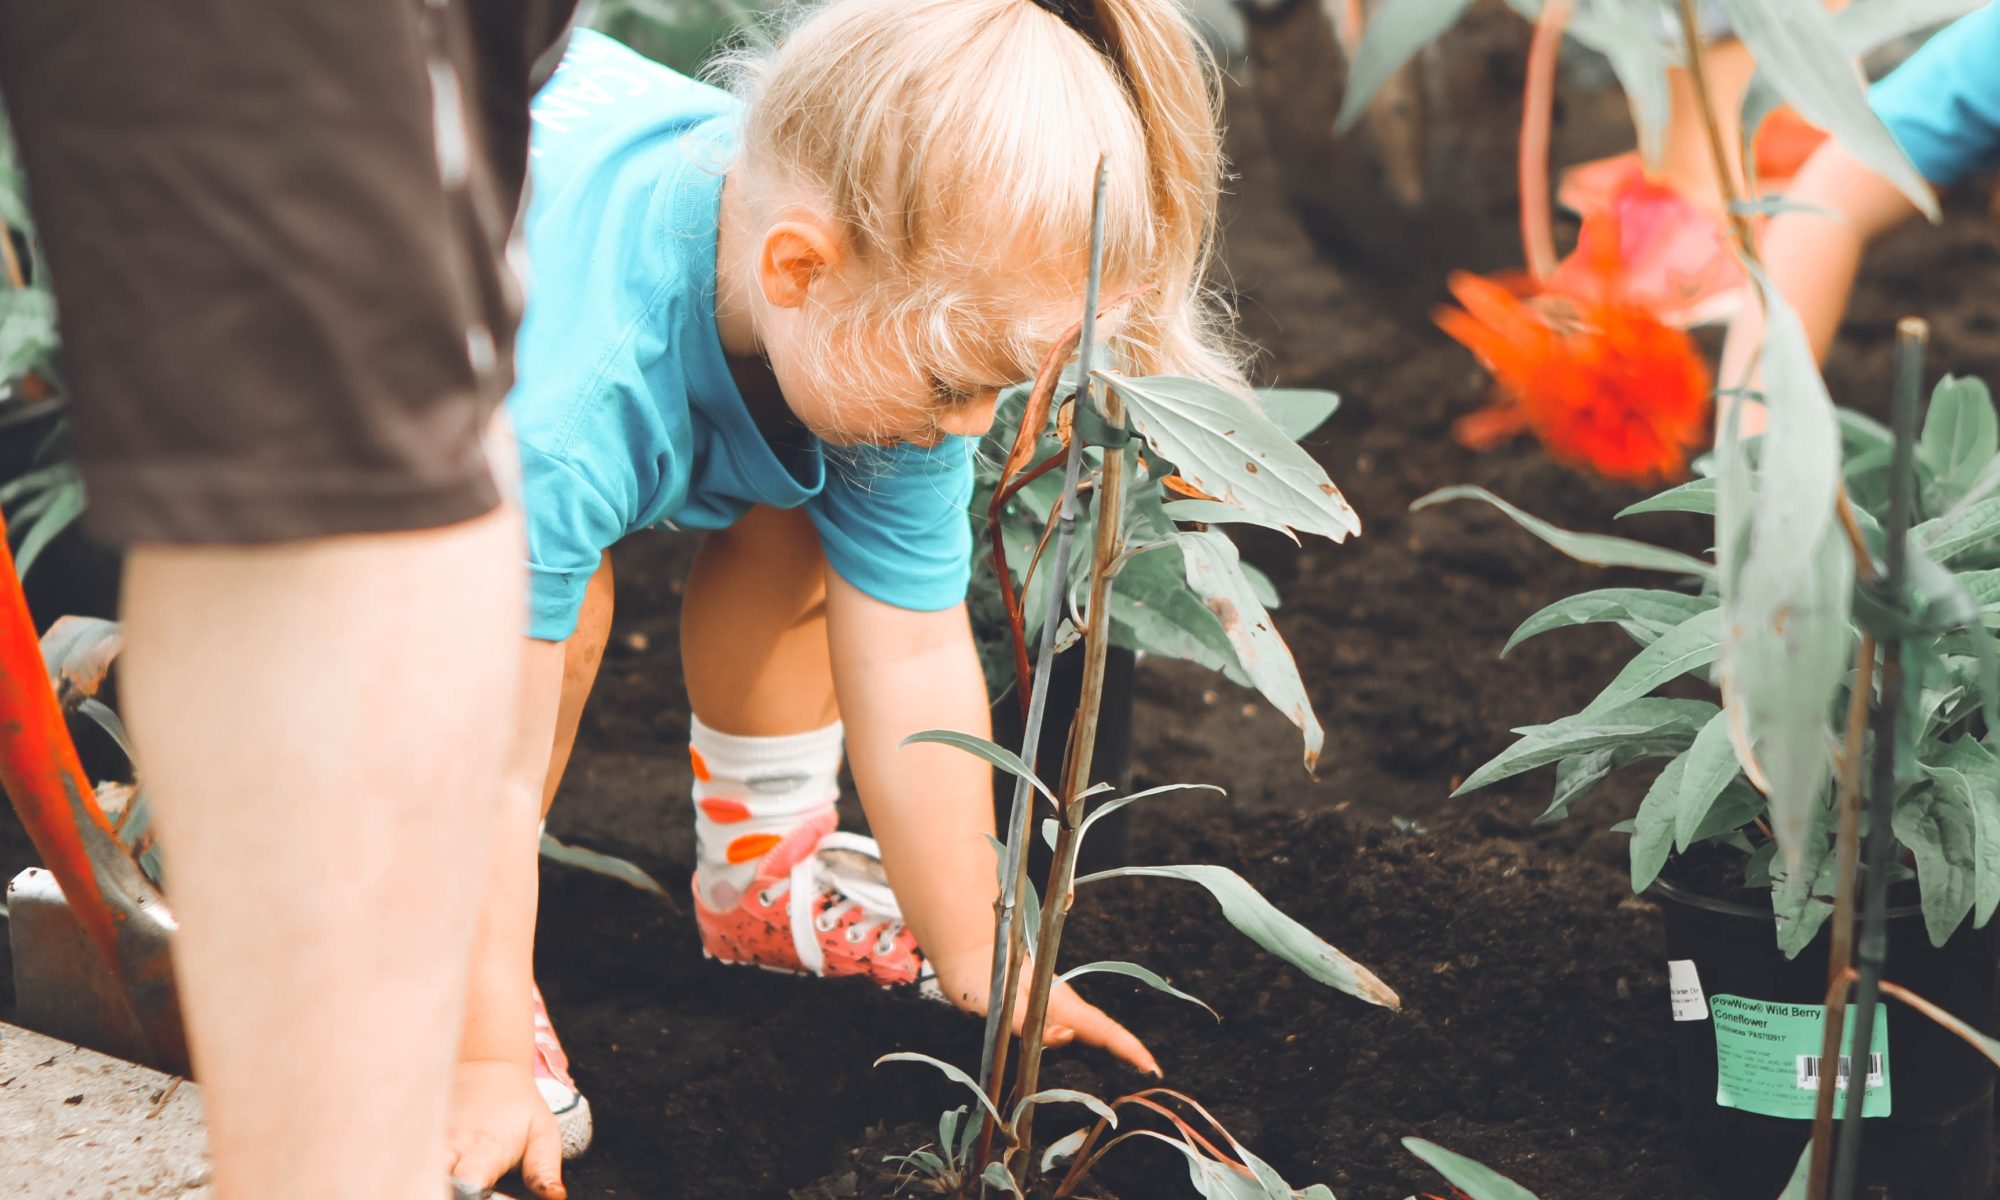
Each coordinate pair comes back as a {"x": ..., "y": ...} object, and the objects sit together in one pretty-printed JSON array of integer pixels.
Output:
[
  {"x": 700, "y": 767},
  {"x": 724, "y": 811},
  {"x": 752, "y": 845}
]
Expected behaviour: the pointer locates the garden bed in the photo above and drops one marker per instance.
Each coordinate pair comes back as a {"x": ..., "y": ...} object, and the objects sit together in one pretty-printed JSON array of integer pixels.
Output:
[{"x": 1533, "y": 1034}]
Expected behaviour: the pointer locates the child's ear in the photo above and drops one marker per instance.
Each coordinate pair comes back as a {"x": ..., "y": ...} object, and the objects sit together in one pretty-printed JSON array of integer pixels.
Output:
[{"x": 796, "y": 251}]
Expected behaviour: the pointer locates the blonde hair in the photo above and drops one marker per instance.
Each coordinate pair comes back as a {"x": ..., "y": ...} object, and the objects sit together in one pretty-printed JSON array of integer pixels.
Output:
[{"x": 956, "y": 138}]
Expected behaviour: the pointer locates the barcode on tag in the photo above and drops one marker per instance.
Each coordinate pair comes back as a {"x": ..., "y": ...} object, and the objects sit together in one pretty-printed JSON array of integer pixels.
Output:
[{"x": 1809, "y": 1072}]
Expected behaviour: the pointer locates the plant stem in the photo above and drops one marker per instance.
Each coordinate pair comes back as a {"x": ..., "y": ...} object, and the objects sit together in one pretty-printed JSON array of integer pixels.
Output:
[
  {"x": 1725, "y": 178},
  {"x": 1057, "y": 897},
  {"x": 1911, "y": 336},
  {"x": 1009, "y": 947},
  {"x": 1538, "y": 243},
  {"x": 10, "y": 261}
]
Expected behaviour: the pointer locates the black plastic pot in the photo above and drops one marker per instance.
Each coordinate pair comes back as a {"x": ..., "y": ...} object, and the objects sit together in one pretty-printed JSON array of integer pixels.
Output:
[
  {"x": 1936, "y": 1143},
  {"x": 1111, "y": 762}
]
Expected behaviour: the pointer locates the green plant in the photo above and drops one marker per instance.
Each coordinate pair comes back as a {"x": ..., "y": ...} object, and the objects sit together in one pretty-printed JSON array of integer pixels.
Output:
[
  {"x": 1158, "y": 461},
  {"x": 44, "y": 499}
]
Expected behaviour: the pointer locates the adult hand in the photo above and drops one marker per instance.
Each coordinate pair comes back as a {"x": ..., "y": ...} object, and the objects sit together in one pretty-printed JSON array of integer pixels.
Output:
[
  {"x": 967, "y": 979},
  {"x": 499, "y": 1120}
]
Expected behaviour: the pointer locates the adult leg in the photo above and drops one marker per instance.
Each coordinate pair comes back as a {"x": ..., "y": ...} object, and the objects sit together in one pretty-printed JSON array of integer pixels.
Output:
[{"x": 321, "y": 726}]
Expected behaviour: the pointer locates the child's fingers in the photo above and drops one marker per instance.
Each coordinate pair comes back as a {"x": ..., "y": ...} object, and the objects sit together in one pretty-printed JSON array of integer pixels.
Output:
[
  {"x": 1094, "y": 1027},
  {"x": 541, "y": 1162},
  {"x": 478, "y": 1160}
]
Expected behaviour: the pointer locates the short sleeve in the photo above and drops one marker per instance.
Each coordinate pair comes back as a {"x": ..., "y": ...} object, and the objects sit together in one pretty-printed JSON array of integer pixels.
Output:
[
  {"x": 893, "y": 521},
  {"x": 1943, "y": 103},
  {"x": 570, "y": 523}
]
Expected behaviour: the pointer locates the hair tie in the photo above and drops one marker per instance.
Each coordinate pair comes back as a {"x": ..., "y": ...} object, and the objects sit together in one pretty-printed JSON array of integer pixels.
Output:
[{"x": 1080, "y": 15}]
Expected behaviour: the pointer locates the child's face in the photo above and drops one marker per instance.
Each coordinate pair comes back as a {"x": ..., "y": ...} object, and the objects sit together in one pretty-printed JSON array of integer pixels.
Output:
[{"x": 859, "y": 386}]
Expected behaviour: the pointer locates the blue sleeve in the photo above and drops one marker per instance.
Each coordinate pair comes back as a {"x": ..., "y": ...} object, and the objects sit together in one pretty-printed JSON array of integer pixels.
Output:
[
  {"x": 893, "y": 521},
  {"x": 1943, "y": 103},
  {"x": 570, "y": 523}
]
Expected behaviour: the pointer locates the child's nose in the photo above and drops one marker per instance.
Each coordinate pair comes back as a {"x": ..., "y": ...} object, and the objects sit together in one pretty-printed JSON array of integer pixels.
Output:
[{"x": 972, "y": 418}]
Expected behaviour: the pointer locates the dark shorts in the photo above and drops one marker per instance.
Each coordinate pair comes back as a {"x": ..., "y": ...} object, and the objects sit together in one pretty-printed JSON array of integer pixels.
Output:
[{"x": 277, "y": 233}]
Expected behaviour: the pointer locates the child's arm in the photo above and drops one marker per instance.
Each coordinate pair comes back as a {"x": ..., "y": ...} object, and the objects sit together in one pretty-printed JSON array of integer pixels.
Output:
[
  {"x": 931, "y": 807},
  {"x": 498, "y": 1116},
  {"x": 1812, "y": 258}
]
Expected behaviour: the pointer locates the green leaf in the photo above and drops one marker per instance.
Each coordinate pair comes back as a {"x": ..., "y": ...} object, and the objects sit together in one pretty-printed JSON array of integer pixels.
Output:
[
  {"x": 996, "y": 1176},
  {"x": 65, "y": 505},
  {"x": 1799, "y": 49},
  {"x": 1694, "y": 496},
  {"x": 1649, "y": 719},
  {"x": 949, "y": 1072},
  {"x": 1062, "y": 1148},
  {"x": 602, "y": 864},
  {"x": 1738, "y": 805},
  {"x": 1212, "y": 1180},
  {"x": 1795, "y": 1187},
  {"x": 1653, "y": 832},
  {"x": 1961, "y": 435},
  {"x": 1802, "y": 899},
  {"x": 1711, "y": 767},
  {"x": 1963, "y": 528},
  {"x": 1214, "y": 572},
  {"x": 1967, "y": 773},
  {"x": 1298, "y": 411},
  {"x": 1135, "y": 971},
  {"x": 1066, "y": 1096},
  {"x": 1595, "y": 548},
  {"x": 1579, "y": 774},
  {"x": 1645, "y": 613},
  {"x": 1154, "y": 610},
  {"x": 1396, "y": 30},
  {"x": 1221, "y": 444},
  {"x": 1869, "y": 26},
  {"x": 27, "y": 330},
  {"x": 1476, "y": 1180},
  {"x": 1937, "y": 827},
  {"x": 1691, "y": 646},
  {"x": 1111, "y": 806},
  {"x": 992, "y": 752},
  {"x": 1263, "y": 924}
]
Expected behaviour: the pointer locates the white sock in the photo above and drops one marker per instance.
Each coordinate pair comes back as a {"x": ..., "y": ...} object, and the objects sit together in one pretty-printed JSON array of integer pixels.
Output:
[{"x": 749, "y": 792}]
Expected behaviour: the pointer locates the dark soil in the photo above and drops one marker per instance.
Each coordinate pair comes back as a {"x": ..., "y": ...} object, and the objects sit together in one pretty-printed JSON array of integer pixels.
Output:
[{"x": 1534, "y": 1030}]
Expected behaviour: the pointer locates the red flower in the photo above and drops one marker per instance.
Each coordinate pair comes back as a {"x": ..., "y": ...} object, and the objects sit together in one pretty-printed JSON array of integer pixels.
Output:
[{"x": 1598, "y": 378}]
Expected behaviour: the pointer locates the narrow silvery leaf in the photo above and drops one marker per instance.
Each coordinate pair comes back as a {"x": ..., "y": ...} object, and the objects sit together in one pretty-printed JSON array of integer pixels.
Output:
[
  {"x": 1690, "y": 646},
  {"x": 1211, "y": 1180},
  {"x": 602, "y": 864},
  {"x": 996, "y": 1175},
  {"x": 1798, "y": 49},
  {"x": 1068, "y": 1096},
  {"x": 949, "y": 1072},
  {"x": 1653, "y": 832},
  {"x": 1711, "y": 766},
  {"x": 1869, "y": 26},
  {"x": 1597, "y": 549},
  {"x": 1214, "y": 572},
  {"x": 1135, "y": 971},
  {"x": 1260, "y": 921},
  {"x": 1645, "y": 613},
  {"x": 1235, "y": 454},
  {"x": 1694, "y": 496},
  {"x": 1110, "y": 806},
  {"x": 1795, "y": 1187},
  {"x": 1937, "y": 827},
  {"x": 1476, "y": 1180},
  {"x": 1000, "y": 756},
  {"x": 1063, "y": 1148},
  {"x": 1539, "y": 745},
  {"x": 1397, "y": 29}
]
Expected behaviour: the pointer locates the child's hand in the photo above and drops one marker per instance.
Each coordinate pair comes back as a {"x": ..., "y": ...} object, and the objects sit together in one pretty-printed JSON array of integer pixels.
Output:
[
  {"x": 967, "y": 978},
  {"x": 498, "y": 1120}
]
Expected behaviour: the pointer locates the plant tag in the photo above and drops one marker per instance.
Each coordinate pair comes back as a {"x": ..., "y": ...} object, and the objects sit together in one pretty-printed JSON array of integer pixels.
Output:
[
  {"x": 1767, "y": 1058},
  {"x": 1684, "y": 986}
]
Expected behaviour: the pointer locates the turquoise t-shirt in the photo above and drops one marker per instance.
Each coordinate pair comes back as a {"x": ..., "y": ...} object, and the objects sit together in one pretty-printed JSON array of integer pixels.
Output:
[
  {"x": 626, "y": 413},
  {"x": 1943, "y": 103}
]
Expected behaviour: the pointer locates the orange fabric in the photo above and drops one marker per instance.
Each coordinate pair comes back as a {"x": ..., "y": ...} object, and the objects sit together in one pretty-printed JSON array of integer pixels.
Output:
[
  {"x": 725, "y": 811},
  {"x": 700, "y": 767},
  {"x": 752, "y": 845}
]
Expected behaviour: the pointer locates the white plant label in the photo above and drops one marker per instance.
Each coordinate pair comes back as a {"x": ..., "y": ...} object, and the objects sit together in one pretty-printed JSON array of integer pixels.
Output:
[{"x": 1684, "y": 986}]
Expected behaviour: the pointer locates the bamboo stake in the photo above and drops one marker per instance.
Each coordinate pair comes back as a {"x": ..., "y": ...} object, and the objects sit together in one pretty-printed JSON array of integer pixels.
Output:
[
  {"x": 1911, "y": 338},
  {"x": 1009, "y": 946}
]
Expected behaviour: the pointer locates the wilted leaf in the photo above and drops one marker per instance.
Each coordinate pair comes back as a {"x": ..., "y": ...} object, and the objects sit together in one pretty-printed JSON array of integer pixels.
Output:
[
  {"x": 1262, "y": 923},
  {"x": 1231, "y": 451},
  {"x": 1214, "y": 572},
  {"x": 79, "y": 651},
  {"x": 602, "y": 864},
  {"x": 1476, "y": 1180},
  {"x": 1063, "y": 1148},
  {"x": 1596, "y": 549},
  {"x": 1396, "y": 30},
  {"x": 1650, "y": 719},
  {"x": 1645, "y": 613}
]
